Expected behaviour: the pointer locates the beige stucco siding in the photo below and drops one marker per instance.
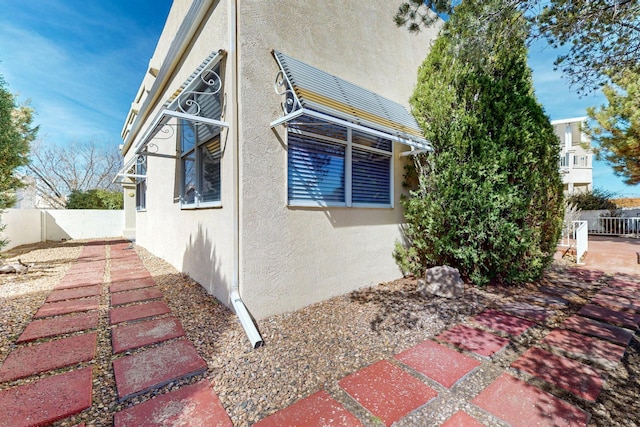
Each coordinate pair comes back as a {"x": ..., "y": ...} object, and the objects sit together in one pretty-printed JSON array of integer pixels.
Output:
[
  {"x": 292, "y": 257},
  {"x": 289, "y": 257},
  {"x": 196, "y": 241}
]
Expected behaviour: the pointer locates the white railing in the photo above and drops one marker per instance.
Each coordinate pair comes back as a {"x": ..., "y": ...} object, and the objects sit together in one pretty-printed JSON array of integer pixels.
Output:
[
  {"x": 581, "y": 237},
  {"x": 614, "y": 226}
]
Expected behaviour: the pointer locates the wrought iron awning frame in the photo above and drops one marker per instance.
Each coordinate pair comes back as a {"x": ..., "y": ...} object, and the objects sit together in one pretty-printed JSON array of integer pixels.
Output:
[{"x": 177, "y": 107}]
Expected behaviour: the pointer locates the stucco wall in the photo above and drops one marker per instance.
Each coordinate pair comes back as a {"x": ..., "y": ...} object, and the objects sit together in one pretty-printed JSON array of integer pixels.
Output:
[
  {"x": 292, "y": 257},
  {"x": 23, "y": 226},
  {"x": 289, "y": 257},
  {"x": 198, "y": 242}
]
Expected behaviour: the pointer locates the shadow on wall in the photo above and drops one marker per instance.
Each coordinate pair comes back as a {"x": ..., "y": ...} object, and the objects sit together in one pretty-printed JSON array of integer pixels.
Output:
[
  {"x": 53, "y": 229},
  {"x": 203, "y": 264}
]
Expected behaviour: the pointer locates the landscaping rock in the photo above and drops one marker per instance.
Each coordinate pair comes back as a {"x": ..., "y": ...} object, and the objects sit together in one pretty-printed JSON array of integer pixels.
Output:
[{"x": 443, "y": 281}]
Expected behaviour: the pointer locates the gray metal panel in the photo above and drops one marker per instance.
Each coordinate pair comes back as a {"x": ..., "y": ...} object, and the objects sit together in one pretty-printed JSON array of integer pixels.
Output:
[{"x": 304, "y": 76}]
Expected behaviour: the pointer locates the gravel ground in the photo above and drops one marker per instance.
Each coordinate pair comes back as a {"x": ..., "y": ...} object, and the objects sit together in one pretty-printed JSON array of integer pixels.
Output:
[{"x": 305, "y": 351}]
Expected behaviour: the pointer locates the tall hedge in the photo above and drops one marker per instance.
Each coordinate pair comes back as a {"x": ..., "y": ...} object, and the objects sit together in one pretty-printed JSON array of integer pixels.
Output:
[{"x": 489, "y": 199}]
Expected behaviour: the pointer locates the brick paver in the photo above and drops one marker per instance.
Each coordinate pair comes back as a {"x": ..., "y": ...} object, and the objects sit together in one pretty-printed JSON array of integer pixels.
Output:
[
  {"x": 72, "y": 293},
  {"x": 387, "y": 391},
  {"x": 137, "y": 335},
  {"x": 317, "y": 410},
  {"x": 440, "y": 363},
  {"x": 512, "y": 325},
  {"x": 617, "y": 302},
  {"x": 30, "y": 360},
  {"x": 47, "y": 400},
  {"x": 66, "y": 307},
  {"x": 523, "y": 405},
  {"x": 136, "y": 312},
  {"x": 560, "y": 291},
  {"x": 51, "y": 327},
  {"x": 598, "y": 329},
  {"x": 129, "y": 275},
  {"x": 137, "y": 295},
  {"x": 462, "y": 419},
  {"x": 194, "y": 404},
  {"x": 568, "y": 374},
  {"x": 594, "y": 349},
  {"x": 551, "y": 301},
  {"x": 128, "y": 285},
  {"x": 480, "y": 342},
  {"x": 607, "y": 315},
  {"x": 528, "y": 311},
  {"x": 586, "y": 274},
  {"x": 156, "y": 367}
]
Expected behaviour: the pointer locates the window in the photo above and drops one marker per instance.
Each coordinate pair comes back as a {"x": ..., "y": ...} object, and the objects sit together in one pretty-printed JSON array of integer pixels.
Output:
[
  {"x": 199, "y": 144},
  {"x": 141, "y": 183},
  {"x": 333, "y": 165},
  {"x": 200, "y": 166}
]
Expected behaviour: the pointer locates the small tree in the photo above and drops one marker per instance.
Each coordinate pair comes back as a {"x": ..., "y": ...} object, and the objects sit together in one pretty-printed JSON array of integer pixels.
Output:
[
  {"x": 16, "y": 133},
  {"x": 616, "y": 127},
  {"x": 78, "y": 166},
  {"x": 596, "y": 199},
  {"x": 489, "y": 201},
  {"x": 602, "y": 37}
]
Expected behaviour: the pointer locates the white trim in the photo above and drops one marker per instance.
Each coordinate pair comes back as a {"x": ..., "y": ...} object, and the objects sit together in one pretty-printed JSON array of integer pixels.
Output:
[
  {"x": 330, "y": 119},
  {"x": 163, "y": 117},
  {"x": 571, "y": 120}
]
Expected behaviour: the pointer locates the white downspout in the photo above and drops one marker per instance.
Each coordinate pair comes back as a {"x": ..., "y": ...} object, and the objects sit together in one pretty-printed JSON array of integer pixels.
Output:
[{"x": 238, "y": 305}]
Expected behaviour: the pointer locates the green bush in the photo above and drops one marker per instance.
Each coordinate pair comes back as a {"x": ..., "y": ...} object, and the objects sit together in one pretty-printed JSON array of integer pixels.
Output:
[
  {"x": 596, "y": 199},
  {"x": 95, "y": 199},
  {"x": 489, "y": 200}
]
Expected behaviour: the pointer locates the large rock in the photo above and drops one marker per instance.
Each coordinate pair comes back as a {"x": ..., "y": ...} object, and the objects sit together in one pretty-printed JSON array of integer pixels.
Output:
[{"x": 443, "y": 281}]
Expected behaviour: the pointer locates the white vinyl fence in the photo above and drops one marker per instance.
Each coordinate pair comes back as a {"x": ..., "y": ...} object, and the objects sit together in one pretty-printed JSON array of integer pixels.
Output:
[
  {"x": 26, "y": 226},
  {"x": 581, "y": 238},
  {"x": 625, "y": 222}
]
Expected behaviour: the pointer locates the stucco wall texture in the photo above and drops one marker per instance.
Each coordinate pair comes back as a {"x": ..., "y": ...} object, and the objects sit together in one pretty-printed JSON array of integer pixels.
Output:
[{"x": 289, "y": 257}]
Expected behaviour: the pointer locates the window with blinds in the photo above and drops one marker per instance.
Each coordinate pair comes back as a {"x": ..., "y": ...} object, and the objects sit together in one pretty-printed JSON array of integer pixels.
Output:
[
  {"x": 332, "y": 165},
  {"x": 141, "y": 183},
  {"x": 200, "y": 145},
  {"x": 200, "y": 168}
]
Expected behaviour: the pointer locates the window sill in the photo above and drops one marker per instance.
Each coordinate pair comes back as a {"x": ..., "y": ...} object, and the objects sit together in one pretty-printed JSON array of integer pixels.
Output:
[
  {"x": 210, "y": 205},
  {"x": 320, "y": 205}
]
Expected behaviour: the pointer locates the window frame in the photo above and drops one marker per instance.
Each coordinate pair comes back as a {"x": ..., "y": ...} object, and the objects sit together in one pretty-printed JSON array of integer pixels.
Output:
[
  {"x": 140, "y": 170},
  {"x": 347, "y": 178},
  {"x": 195, "y": 151}
]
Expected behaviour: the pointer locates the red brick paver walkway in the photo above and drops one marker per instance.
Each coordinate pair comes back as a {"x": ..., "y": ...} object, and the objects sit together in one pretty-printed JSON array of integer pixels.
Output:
[{"x": 49, "y": 375}]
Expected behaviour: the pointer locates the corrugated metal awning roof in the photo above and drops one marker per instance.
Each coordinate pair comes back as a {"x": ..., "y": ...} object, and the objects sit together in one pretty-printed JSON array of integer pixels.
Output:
[{"x": 320, "y": 91}]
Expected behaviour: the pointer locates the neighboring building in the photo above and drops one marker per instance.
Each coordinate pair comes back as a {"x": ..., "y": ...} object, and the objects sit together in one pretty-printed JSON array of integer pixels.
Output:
[
  {"x": 576, "y": 158},
  {"x": 263, "y": 149},
  {"x": 26, "y": 196}
]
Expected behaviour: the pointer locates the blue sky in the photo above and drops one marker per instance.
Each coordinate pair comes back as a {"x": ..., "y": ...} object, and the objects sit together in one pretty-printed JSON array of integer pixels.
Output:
[{"x": 81, "y": 62}]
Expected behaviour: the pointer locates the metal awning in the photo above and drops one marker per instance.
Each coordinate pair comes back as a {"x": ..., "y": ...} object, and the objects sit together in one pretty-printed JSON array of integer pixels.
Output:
[
  {"x": 310, "y": 91},
  {"x": 188, "y": 102},
  {"x": 181, "y": 104},
  {"x": 128, "y": 171}
]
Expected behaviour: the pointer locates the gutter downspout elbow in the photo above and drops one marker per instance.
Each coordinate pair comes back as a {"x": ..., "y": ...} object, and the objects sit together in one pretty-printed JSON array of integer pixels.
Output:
[
  {"x": 238, "y": 305},
  {"x": 245, "y": 319}
]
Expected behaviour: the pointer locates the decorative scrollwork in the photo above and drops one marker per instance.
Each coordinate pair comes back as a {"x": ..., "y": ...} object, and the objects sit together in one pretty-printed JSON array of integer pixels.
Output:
[
  {"x": 214, "y": 81},
  {"x": 152, "y": 148},
  {"x": 282, "y": 88},
  {"x": 187, "y": 100},
  {"x": 280, "y": 83},
  {"x": 141, "y": 160},
  {"x": 166, "y": 132}
]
